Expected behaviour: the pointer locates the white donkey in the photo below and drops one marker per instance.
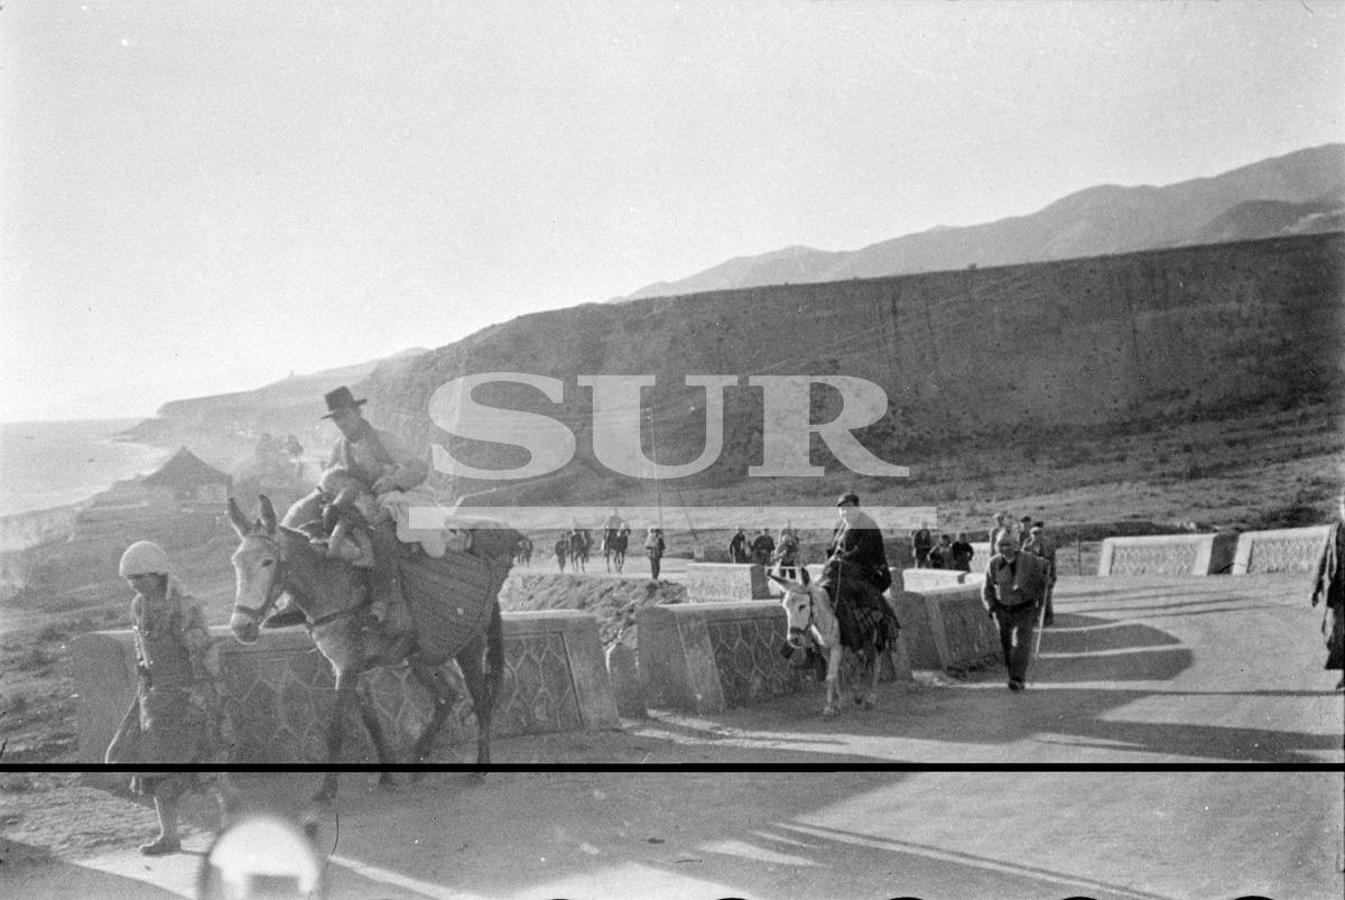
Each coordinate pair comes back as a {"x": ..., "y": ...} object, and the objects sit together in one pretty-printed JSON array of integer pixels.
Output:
[{"x": 813, "y": 621}]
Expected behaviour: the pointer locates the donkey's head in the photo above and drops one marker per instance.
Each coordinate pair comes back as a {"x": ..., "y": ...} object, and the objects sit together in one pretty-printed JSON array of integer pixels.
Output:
[{"x": 256, "y": 567}]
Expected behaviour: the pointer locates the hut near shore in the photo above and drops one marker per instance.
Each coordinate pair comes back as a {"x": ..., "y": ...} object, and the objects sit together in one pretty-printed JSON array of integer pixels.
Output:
[{"x": 187, "y": 479}]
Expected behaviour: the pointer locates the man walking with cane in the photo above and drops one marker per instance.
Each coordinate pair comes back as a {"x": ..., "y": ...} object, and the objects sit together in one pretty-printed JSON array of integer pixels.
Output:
[{"x": 1015, "y": 596}]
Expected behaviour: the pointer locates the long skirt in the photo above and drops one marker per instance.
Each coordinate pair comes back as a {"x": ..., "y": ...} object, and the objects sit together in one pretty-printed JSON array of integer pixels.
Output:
[{"x": 168, "y": 725}]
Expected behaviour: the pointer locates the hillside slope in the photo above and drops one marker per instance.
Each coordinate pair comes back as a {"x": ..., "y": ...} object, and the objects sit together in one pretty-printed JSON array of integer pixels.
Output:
[{"x": 1098, "y": 344}]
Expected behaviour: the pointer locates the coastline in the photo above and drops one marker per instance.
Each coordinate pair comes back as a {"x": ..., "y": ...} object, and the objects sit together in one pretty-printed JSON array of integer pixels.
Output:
[{"x": 32, "y": 528}]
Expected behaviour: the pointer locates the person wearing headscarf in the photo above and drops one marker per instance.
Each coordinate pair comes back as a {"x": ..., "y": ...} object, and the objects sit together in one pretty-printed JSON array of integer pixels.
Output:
[{"x": 177, "y": 717}]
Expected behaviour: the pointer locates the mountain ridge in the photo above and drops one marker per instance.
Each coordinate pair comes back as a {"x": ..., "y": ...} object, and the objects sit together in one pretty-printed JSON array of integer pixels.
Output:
[{"x": 1095, "y": 221}]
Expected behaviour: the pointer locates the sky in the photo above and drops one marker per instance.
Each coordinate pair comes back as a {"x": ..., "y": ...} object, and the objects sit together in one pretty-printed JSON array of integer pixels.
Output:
[{"x": 203, "y": 197}]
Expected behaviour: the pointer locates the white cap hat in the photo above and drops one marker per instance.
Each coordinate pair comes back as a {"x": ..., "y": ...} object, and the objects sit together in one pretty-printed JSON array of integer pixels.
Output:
[{"x": 143, "y": 558}]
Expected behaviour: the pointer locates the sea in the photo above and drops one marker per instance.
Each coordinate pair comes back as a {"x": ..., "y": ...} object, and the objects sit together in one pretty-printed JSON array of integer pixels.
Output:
[{"x": 45, "y": 465}]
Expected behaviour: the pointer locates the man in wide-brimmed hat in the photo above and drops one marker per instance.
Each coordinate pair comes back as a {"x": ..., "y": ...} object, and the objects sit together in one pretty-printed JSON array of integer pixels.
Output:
[
  {"x": 376, "y": 457},
  {"x": 381, "y": 462}
]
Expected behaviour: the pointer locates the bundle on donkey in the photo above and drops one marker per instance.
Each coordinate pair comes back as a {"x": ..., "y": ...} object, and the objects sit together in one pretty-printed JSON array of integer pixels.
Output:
[
  {"x": 453, "y": 601},
  {"x": 829, "y": 630}
]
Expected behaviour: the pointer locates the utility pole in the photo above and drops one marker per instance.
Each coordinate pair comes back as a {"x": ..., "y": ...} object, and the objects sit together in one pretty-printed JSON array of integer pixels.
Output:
[{"x": 653, "y": 453}]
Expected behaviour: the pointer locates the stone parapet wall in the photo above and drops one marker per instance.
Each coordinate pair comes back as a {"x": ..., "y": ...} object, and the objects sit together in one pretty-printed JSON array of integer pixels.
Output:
[
  {"x": 947, "y": 628},
  {"x": 280, "y": 689},
  {"x": 1280, "y": 550},
  {"x": 707, "y": 657},
  {"x": 1167, "y": 554},
  {"x": 926, "y": 579},
  {"x": 726, "y": 582}
]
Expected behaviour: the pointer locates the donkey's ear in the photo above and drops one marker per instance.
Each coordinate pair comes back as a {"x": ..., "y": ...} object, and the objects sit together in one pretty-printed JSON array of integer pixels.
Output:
[
  {"x": 268, "y": 515},
  {"x": 238, "y": 520},
  {"x": 787, "y": 583}
]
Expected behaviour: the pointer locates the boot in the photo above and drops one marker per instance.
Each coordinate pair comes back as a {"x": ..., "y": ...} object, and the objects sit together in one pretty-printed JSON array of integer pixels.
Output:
[{"x": 167, "y": 841}]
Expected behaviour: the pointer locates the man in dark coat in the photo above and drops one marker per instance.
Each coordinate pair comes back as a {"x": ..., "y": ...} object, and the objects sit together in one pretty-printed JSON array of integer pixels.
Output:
[
  {"x": 738, "y": 547},
  {"x": 962, "y": 551},
  {"x": 922, "y": 542},
  {"x": 763, "y": 545}
]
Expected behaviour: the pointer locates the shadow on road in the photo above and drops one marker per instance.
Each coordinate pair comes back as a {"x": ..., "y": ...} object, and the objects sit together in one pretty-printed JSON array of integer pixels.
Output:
[{"x": 33, "y": 872}]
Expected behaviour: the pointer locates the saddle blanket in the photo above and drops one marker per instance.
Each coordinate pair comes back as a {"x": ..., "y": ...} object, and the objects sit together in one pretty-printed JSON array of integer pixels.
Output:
[{"x": 452, "y": 597}]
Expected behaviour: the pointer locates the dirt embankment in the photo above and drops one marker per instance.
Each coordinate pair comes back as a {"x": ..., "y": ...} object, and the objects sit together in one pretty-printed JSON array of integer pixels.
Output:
[{"x": 613, "y": 601}]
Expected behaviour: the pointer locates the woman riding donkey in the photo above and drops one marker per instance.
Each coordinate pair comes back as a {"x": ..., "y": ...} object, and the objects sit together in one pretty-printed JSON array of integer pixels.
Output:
[
  {"x": 844, "y": 610},
  {"x": 856, "y": 574}
]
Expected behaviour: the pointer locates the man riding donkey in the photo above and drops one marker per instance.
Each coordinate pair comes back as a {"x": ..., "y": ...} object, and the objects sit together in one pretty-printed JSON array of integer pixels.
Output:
[{"x": 367, "y": 471}]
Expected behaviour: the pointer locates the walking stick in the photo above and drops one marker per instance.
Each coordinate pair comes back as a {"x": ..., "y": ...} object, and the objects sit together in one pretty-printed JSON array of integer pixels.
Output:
[{"x": 1036, "y": 638}]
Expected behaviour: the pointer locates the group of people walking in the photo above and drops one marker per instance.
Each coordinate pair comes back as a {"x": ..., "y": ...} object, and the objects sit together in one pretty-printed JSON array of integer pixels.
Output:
[
  {"x": 784, "y": 557},
  {"x": 575, "y": 544},
  {"x": 945, "y": 554}
]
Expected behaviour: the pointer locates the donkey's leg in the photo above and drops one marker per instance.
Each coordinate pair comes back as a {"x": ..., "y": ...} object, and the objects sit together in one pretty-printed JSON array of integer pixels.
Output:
[
  {"x": 336, "y": 725},
  {"x": 869, "y": 682},
  {"x": 470, "y": 661},
  {"x": 379, "y": 739},
  {"x": 484, "y": 682},
  {"x": 432, "y": 677},
  {"x": 833, "y": 682}
]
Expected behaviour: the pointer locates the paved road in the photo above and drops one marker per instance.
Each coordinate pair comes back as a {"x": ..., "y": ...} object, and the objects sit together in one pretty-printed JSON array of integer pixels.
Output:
[{"x": 1215, "y": 681}]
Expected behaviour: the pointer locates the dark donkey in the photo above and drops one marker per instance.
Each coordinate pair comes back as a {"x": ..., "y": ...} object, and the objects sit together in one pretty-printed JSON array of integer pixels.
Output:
[{"x": 274, "y": 559}]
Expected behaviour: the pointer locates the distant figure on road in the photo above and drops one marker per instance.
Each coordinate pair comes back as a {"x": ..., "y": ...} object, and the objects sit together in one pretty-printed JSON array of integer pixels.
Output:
[
  {"x": 562, "y": 550},
  {"x": 1000, "y": 528},
  {"x": 787, "y": 560},
  {"x": 962, "y": 551},
  {"x": 1329, "y": 590},
  {"x": 1014, "y": 595},
  {"x": 1038, "y": 544},
  {"x": 941, "y": 557},
  {"x": 177, "y": 717},
  {"x": 653, "y": 548},
  {"x": 922, "y": 542},
  {"x": 738, "y": 547},
  {"x": 763, "y": 546}
]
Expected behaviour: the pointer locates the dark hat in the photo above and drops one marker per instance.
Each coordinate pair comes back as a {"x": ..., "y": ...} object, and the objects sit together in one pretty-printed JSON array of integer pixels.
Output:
[
  {"x": 340, "y": 399},
  {"x": 848, "y": 498}
]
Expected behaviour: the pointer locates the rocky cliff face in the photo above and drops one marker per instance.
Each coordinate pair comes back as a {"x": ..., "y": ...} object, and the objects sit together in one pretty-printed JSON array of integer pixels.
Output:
[{"x": 1189, "y": 333}]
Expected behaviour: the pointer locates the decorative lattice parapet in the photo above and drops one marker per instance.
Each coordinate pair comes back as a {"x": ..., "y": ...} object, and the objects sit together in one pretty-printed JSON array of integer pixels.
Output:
[
  {"x": 947, "y": 628},
  {"x": 708, "y": 657},
  {"x": 934, "y": 579},
  {"x": 1167, "y": 554},
  {"x": 1280, "y": 550},
  {"x": 280, "y": 689},
  {"x": 720, "y": 582}
]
